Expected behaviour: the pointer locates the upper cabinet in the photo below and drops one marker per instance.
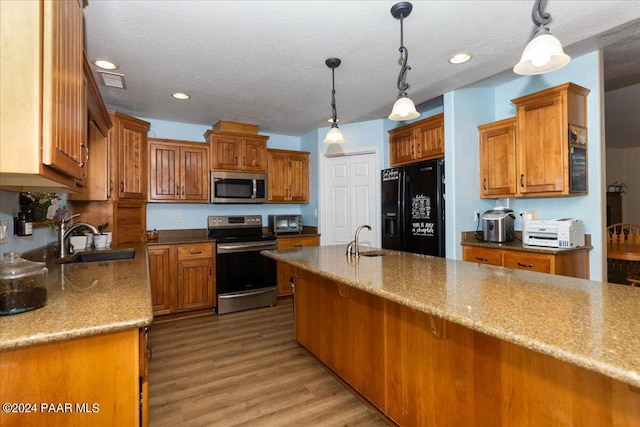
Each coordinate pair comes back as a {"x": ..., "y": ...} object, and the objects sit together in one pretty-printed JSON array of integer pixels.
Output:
[
  {"x": 42, "y": 99},
  {"x": 128, "y": 139},
  {"x": 540, "y": 152},
  {"x": 498, "y": 159},
  {"x": 421, "y": 140},
  {"x": 178, "y": 171},
  {"x": 288, "y": 176},
  {"x": 237, "y": 147}
]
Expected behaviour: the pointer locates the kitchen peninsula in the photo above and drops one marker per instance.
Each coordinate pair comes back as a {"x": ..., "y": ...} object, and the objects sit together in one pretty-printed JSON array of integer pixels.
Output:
[
  {"x": 80, "y": 359},
  {"x": 433, "y": 341}
]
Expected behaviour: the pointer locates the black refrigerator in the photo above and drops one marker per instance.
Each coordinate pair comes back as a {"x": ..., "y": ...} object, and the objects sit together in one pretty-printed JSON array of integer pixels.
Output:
[{"x": 413, "y": 208}]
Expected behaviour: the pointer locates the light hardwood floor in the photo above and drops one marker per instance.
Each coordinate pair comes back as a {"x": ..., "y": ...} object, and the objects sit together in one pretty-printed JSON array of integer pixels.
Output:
[{"x": 244, "y": 369}]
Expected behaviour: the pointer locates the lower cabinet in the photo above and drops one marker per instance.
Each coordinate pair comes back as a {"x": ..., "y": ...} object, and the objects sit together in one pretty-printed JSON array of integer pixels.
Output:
[
  {"x": 573, "y": 263},
  {"x": 422, "y": 370},
  {"x": 98, "y": 380},
  {"x": 285, "y": 271},
  {"x": 182, "y": 277}
]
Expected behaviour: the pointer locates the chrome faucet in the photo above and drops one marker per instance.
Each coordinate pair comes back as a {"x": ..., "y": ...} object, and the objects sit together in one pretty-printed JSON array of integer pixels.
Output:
[
  {"x": 63, "y": 233},
  {"x": 352, "y": 247}
]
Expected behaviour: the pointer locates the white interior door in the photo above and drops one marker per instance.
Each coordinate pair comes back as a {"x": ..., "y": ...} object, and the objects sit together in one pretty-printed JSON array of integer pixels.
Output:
[{"x": 350, "y": 199}]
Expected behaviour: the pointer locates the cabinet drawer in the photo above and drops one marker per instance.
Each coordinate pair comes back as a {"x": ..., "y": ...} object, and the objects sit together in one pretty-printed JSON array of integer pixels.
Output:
[
  {"x": 297, "y": 242},
  {"x": 195, "y": 251},
  {"x": 528, "y": 261},
  {"x": 483, "y": 256}
]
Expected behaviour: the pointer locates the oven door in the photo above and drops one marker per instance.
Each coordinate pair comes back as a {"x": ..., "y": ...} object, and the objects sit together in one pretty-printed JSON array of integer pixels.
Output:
[{"x": 244, "y": 278}]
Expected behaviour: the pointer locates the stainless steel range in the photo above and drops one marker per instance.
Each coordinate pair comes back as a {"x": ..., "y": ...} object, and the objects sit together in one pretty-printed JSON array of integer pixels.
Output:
[{"x": 244, "y": 278}]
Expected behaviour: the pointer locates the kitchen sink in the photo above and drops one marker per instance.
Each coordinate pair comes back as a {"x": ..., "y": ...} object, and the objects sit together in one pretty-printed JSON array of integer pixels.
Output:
[
  {"x": 373, "y": 253},
  {"x": 101, "y": 255}
]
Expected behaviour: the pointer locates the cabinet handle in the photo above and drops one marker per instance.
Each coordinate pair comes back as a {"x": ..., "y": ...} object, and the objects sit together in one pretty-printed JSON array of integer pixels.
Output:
[
  {"x": 299, "y": 245},
  {"x": 244, "y": 161},
  {"x": 525, "y": 265},
  {"x": 412, "y": 150},
  {"x": 210, "y": 269},
  {"x": 183, "y": 190},
  {"x": 235, "y": 161},
  {"x": 177, "y": 190},
  {"x": 482, "y": 259},
  {"x": 86, "y": 158},
  {"x": 195, "y": 253},
  {"x": 122, "y": 186},
  {"x": 484, "y": 183},
  {"x": 521, "y": 180}
]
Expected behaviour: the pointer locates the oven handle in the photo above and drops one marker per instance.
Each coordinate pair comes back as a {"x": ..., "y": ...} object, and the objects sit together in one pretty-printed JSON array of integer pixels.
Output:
[
  {"x": 226, "y": 248},
  {"x": 246, "y": 293}
]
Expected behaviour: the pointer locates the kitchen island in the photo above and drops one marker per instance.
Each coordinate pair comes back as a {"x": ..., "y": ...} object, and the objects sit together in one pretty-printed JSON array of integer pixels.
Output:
[
  {"x": 432, "y": 341},
  {"x": 80, "y": 359}
]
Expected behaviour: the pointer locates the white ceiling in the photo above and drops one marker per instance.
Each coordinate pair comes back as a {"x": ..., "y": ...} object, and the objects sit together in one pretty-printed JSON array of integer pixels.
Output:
[{"x": 262, "y": 62}]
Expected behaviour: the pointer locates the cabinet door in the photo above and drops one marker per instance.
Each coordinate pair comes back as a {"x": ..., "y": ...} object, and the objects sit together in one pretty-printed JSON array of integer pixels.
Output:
[
  {"x": 429, "y": 138},
  {"x": 226, "y": 152},
  {"x": 161, "y": 266},
  {"x": 163, "y": 168},
  {"x": 131, "y": 221},
  {"x": 285, "y": 274},
  {"x": 498, "y": 159},
  {"x": 132, "y": 160},
  {"x": 482, "y": 255},
  {"x": 298, "y": 179},
  {"x": 254, "y": 156},
  {"x": 63, "y": 89},
  {"x": 541, "y": 138},
  {"x": 195, "y": 284},
  {"x": 401, "y": 149},
  {"x": 194, "y": 174},
  {"x": 278, "y": 177}
]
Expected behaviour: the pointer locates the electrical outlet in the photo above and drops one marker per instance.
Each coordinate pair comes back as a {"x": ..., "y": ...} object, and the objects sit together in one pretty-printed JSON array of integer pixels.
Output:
[
  {"x": 178, "y": 218},
  {"x": 476, "y": 216},
  {"x": 4, "y": 231}
]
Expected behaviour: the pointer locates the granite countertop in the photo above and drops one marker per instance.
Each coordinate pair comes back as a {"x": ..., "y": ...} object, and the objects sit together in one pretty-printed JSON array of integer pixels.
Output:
[
  {"x": 200, "y": 235},
  {"x": 468, "y": 238},
  {"x": 84, "y": 299},
  {"x": 586, "y": 323}
]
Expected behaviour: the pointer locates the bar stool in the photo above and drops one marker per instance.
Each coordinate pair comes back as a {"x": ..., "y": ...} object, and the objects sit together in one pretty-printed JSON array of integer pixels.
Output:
[{"x": 633, "y": 281}]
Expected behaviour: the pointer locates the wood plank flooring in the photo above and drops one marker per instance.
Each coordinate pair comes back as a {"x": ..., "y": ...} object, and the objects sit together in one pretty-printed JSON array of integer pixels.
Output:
[{"x": 244, "y": 369}]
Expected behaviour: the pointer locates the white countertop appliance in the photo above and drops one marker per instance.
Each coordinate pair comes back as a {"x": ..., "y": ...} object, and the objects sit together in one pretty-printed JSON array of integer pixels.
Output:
[{"x": 554, "y": 233}]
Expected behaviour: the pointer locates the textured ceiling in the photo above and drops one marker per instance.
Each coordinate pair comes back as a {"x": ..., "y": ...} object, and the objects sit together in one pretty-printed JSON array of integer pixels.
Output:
[{"x": 262, "y": 62}]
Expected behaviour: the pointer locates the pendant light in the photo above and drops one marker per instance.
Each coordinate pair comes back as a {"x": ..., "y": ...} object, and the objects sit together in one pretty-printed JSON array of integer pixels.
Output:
[
  {"x": 404, "y": 108},
  {"x": 544, "y": 52},
  {"x": 334, "y": 136}
]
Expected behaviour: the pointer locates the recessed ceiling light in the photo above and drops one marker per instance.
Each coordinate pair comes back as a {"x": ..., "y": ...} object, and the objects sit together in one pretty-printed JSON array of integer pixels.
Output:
[
  {"x": 460, "y": 58},
  {"x": 105, "y": 65},
  {"x": 180, "y": 95}
]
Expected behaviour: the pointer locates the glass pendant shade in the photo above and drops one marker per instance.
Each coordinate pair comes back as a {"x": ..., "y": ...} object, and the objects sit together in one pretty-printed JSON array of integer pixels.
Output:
[
  {"x": 334, "y": 136},
  {"x": 403, "y": 109},
  {"x": 543, "y": 54}
]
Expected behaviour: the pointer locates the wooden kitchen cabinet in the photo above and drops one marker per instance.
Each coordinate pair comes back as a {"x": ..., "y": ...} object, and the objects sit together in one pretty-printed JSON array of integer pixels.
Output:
[
  {"x": 42, "y": 98},
  {"x": 182, "y": 277},
  {"x": 286, "y": 271},
  {"x": 162, "y": 264},
  {"x": 543, "y": 121},
  {"x": 421, "y": 140},
  {"x": 288, "y": 176},
  {"x": 127, "y": 219},
  {"x": 128, "y": 139},
  {"x": 178, "y": 171},
  {"x": 234, "y": 151},
  {"x": 498, "y": 164},
  {"x": 354, "y": 349},
  {"x": 102, "y": 377},
  {"x": 570, "y": 263}
]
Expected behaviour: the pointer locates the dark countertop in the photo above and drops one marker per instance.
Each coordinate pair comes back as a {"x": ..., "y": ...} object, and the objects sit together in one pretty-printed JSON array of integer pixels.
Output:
[
  {"x": 200, "y": 235},
  {"x": 468, "y": 238}
]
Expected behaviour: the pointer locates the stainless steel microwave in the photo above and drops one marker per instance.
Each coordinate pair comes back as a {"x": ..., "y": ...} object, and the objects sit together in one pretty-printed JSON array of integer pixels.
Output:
[
  {"x": 238, "y": 187},
  {"x": 281, "y": 224}
]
